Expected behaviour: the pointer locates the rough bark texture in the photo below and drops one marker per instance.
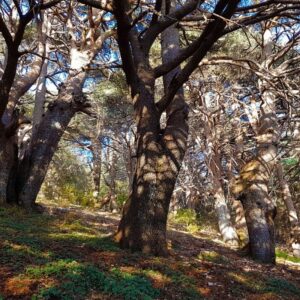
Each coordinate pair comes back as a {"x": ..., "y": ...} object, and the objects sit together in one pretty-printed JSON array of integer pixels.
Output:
[
  {"x": 292, "y": 212},
  {"x": 7, "y": 157},
  {"x": 252, "y": 185},
  {"x": 159, "y": 156},
  {"x": 36, "y": 161}
]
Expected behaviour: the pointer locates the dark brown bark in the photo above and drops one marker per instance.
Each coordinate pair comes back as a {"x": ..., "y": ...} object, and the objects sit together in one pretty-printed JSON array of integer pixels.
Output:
[
  {"x": 159, "y": 156},
  {"x": 7, "y": 159}
]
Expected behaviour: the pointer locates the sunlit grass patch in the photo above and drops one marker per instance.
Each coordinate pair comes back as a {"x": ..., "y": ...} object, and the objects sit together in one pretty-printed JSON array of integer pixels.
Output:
[
  {"x": 96, "y": 242},
  {"x": 77, "y": 280},
  {"x": 274, "y": 285},
  {"x": 284, "y": 256},
  {"x": 214, "y": 257},
  {"x": 19, "y": 286},
  {"x": 184, "y": 286},
  {"x": 23, "y": 250},
  {"x": 281, "y": 287},
  {"x": 248, "y": 280},
  {"x": 160, "y": 280}
]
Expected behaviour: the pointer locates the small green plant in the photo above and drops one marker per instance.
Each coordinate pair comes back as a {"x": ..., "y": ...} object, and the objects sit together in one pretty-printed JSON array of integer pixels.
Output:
[
  {"x": 213, "y": 257},
  {"x": 186, "y": 217},
  {"x": 281, "y": 287},
  {"x": 285, "y": 256},
  {"x": 78, "y": 279},
  {"x": 192, "y": 294}
]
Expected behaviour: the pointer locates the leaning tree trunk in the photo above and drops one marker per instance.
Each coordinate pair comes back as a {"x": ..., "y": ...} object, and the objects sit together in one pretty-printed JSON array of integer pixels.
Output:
[
  {"x": 159, "y": 156},
  {"x": 35, "y": 163}
]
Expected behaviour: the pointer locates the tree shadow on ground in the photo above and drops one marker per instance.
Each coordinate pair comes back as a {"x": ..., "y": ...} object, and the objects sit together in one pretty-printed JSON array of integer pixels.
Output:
[{"x": 71, "y": 255}]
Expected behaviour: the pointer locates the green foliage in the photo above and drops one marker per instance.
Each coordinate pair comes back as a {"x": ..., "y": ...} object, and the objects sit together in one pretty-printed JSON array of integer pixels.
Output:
[
  {"x": 112, "y": 95},
  {"x": 290, "y": 161},
  {"x": 131, "y": 286},
  {"x": 122, "y": 192},
  {"x": 273, "y": 285},
  {"x": 284, "y": 255},
  {"x": 67, "y": 180},
  {"x": 30, "y": 32},
  {"x": 72, "y": 194},
  {"x": 184, "y": 285},
  {"x": 77, "y": 280},
  {"x": 186, "y": 217}
]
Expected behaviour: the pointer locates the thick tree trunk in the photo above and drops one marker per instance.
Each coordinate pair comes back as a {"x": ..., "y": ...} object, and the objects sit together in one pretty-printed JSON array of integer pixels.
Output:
[
  {"x": 7, "y": 161},
  {"x": 259, "y": 216},
  {"x": 252, "y": 185},
  {"x": 34, "y": 166},
  {"x": 159, "y": 156},
  {"x": 143, "y": 223}
]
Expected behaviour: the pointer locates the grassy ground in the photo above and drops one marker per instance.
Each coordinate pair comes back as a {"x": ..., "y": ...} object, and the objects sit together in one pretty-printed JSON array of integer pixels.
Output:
[{"x": 70, "y": 255}]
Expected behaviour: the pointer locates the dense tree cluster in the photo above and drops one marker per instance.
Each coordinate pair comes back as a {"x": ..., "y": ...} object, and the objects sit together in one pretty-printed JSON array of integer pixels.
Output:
[{"x": 143, "y": 106}]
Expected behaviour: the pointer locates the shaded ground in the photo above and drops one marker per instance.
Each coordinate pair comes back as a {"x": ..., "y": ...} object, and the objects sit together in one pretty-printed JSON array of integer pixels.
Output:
[{"x": 70, "y": 255}]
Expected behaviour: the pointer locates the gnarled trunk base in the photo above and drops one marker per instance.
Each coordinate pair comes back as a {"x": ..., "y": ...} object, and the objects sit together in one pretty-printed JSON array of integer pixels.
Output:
[{"x": 144, "y": 221}]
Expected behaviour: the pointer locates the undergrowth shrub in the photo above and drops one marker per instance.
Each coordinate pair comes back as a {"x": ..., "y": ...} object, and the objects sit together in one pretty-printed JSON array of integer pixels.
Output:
[{"x": 77, "y": 280}]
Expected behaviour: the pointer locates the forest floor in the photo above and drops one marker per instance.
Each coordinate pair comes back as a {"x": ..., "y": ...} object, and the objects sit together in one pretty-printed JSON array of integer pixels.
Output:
[{"x": 70, "y": 254}]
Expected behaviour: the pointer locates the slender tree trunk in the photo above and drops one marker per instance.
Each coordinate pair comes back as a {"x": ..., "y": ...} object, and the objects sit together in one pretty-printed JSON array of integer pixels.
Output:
[
  {"x": 113, "y": 177},
  {"x": 292, "y": 213},
  {"x": 226, "y": 227},
  {"x": 97, "y": 165}
]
